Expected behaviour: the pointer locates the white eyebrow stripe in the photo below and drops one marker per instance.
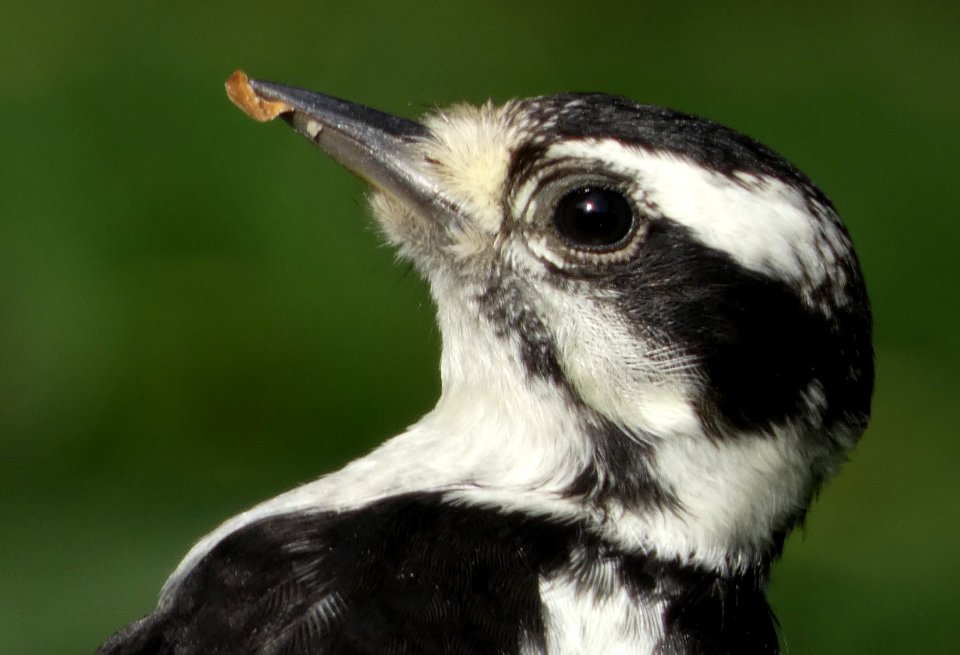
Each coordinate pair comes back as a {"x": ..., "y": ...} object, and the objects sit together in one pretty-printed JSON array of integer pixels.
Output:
[{"x": 761, "y": 222}]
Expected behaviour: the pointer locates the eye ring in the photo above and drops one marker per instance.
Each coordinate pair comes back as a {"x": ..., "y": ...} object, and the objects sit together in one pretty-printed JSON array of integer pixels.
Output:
[{"x": 594, "y": 218}]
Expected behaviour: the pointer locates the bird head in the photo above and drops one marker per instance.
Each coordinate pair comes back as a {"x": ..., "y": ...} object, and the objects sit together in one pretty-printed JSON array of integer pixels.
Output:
[{"x": 644, "y": 314}]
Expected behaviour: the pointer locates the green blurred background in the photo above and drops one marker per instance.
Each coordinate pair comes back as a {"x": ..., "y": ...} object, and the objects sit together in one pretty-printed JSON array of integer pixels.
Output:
[{"x": 195, "y": 313}]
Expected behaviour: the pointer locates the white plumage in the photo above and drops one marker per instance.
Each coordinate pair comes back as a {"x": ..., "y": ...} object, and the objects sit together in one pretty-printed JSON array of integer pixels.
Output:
[{"x": 655, "y": 349}]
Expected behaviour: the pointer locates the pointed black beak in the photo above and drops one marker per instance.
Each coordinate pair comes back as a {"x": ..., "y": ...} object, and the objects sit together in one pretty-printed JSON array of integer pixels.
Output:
[{"x": 378, "y": 147}]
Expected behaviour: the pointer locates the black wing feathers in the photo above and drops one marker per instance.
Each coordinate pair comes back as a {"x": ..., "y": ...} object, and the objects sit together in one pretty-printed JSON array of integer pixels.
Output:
[
  {"x": 417, "y": 575},
  {"x": 406, "y": 575}
]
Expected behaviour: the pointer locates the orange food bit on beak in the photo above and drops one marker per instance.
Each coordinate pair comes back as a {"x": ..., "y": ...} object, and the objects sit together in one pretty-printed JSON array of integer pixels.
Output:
[{"x": 243, "y": 96}]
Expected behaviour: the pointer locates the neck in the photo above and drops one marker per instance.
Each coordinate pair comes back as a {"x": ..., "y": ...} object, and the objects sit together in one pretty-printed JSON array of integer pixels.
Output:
[{"x": 502, "y": 437}]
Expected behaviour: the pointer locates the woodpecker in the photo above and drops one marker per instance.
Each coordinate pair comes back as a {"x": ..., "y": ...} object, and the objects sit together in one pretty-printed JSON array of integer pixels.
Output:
[{"x": 656, "y": 346}]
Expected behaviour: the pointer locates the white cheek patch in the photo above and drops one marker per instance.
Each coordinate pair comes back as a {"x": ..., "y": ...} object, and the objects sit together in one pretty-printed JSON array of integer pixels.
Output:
[
  {"x": 631, "y": 381},
  {"x": 763, "y": 223}
]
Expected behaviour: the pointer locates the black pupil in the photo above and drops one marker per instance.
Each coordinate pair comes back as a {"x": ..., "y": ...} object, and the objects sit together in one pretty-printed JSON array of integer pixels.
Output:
[{"x": 594, "y": 218}]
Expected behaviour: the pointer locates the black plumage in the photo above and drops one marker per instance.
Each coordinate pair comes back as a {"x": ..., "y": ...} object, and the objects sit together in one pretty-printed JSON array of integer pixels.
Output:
[
  {"x": 415, "y": 574},
  {"x": 637, "y": 409}
]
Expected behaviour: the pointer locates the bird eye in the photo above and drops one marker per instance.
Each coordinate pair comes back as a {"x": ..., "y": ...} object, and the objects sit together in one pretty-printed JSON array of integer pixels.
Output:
[{"x": 594, "y": 218}]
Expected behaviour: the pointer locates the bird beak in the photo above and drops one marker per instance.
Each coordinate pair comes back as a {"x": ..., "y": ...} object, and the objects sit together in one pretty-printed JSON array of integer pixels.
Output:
[{"x": 377, "y": 147}]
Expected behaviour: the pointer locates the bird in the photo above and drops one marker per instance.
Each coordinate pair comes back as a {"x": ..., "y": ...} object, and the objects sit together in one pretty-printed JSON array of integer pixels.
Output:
[{"x": 655, "y": 349}]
